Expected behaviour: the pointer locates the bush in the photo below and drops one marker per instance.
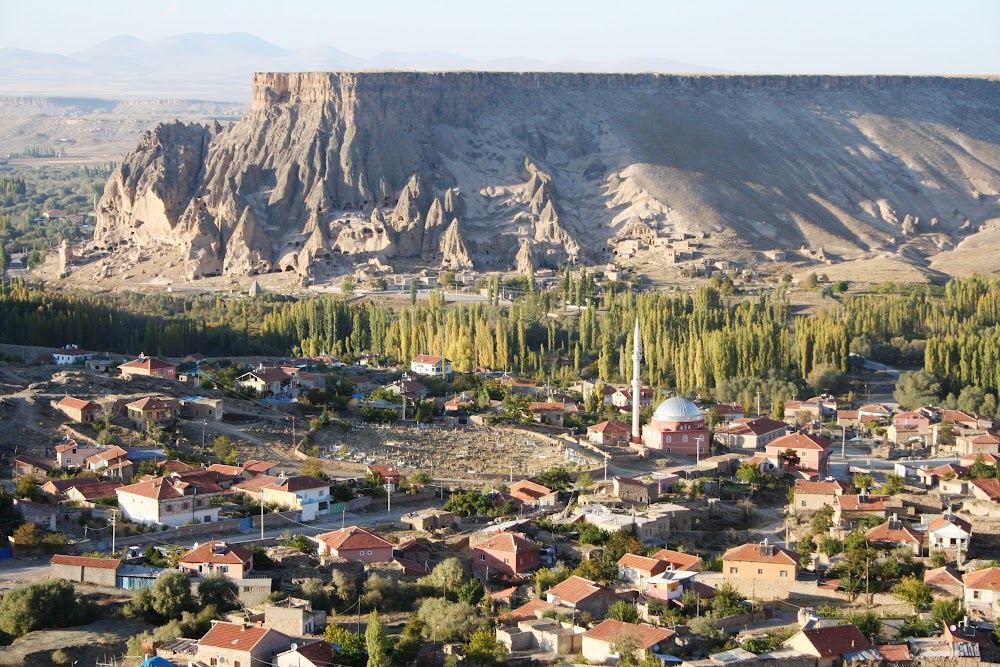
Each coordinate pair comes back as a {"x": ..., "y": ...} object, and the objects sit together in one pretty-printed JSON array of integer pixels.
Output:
[{"x": 51, "y": 604}]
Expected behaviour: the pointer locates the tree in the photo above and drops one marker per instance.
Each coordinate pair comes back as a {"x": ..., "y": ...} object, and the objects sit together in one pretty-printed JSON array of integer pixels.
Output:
[
  {"x": 863, "y": 482},
  {"x": 345, "y": 585},
  {"x": 313, "y": 467},
  {"x": 827, "y": 377},
  {"x": 752, "y": 475},
  {"x": 220, "y": 592},
  {"x": 171, "y": 594},
  {"x": 946, "y": 612},
  {"x": 867, "y": 622},
  {"x": 728, "y": 602},
  {"x": 791, "y": 457},
  {"x": 822, "y": 520},
  {"x": 556, "y": 479},
  {"x": 107, "y": 438},
  {"x": 622, "y": 541},
  {"x": 347, "y": 285},
  {"x": 584, "y": 481},
  {"x": 917, "y": 388},
  {"x": 597, "y": 569},
  {"x": 893, "y": 484},
  {"x": 225, "y": 450},
  {"x": 50, "y": 604},
  {"x": 915, "y": 592},
  {"x": 778, "y": 413},
  {"x": 809, "y": 282},
  {"x": 484, "y": 649},
  {"x": 623, "y": 611},
  {"x": 830, "y": 546},
  {"x": 446, "y": 576},
  {"x": 377, "y": 642},
  {"x": 471, "y": 591},
  {"x": 446, "y": 621},
  {"x": 27, "y": 487},
  {"x": 352, "y": 647}
]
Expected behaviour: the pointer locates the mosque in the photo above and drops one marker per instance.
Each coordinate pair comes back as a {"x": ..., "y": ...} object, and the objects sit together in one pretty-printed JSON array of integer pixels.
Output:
[{"x": 677, "y": 425}]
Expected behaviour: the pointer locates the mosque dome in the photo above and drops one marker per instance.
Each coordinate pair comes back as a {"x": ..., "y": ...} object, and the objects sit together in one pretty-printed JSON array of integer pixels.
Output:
[{"x": 677, "y": 409}]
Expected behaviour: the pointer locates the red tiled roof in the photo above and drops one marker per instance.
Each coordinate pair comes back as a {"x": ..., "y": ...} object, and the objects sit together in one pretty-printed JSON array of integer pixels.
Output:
[
  {"x": 227, "y": 554},
  {"x": 861, "y": 503},
  {"x": 411, "y": 568},
  {"x": 526, "y": 612},
  {"x": 298, "y": 483},
  {"x": 826, "y": 487},
  {"x": 510, "y": 543},
  {"x": 680, "y": 561},
  {"x": 576, "y": 588},
  {"x": 160, "y": 488},
  {"x": 387, "y": 471},
  {"x": 318, "y": 653},
  {"x": 529, "y": 491},
  {"x": 83, "y": 561},
  {"x": 234, "y": 636},
  {"x": 942, "y": 576},
  {"x": 609, "y": 427},
  {"x": 147, "y": 403},
  {"x": 34, "y": 463},
  {"x": 643, "y": 563},
  {"x": 938, "y": 524},
  {"x": 895, "y": 652},
  {"x": 837, "y": 640},
  {"x": 427, "y": 359},
  {"x": 991, "y": 487},
  {"x": 645, "y": 635},
  {"x": 895, "y": 533},
  {"x": 754, "y": 553},
  {"x": 77, "y": 403},
  {"x": 268, "y": 375},
  {"x": 101, "y": 490},
  {"x": 351, "y": 539},
  {"x": 536, "y": 406},
  {"x": 68, "y": 483},
  {"x": 983, "y": 580},
  {"x": 147, "y": 363},
  {"x": 755, "y": 425},
  {"x": 174, "y": 465},
  {"x": 255, "y": 484},
  {"x": 255, "y": 466},
  {"x": 799, "y": 441}
]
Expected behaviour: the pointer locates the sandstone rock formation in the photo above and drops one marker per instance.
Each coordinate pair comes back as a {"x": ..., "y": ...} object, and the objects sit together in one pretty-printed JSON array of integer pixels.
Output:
[{"x": 506, "y": 171}]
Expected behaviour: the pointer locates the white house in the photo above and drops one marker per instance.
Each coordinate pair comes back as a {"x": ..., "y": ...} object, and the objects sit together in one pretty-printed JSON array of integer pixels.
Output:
[
  {"x": 430, "y": 365},
  {"x": 949, "y": 533},
  {"x": 310, "y": 495},
  {"x": 982, "y": 591},
  {"x": 71, "y": 354},
  {"x": 169, "y": 500}
]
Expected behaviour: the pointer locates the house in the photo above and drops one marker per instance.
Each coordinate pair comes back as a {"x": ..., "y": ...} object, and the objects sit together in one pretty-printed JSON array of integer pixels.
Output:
[
  {"x": 582, "y": 595},
  {"x": 410, "y": 389},
  {"x": 672, "y": 584},
  {"x": 25, "y": 465},
  {"x": 600, "y": 644},
  {"x": 200, "y": 408},
  {"x": 751, "y": 433},
  {"x": 149, "y": 411},
  {"x": 239, "y": 645},
  {"x": 72, "y": 455},
  {"x": 507, "y": 553},
  {"x": 816, "y": 408},
  {"x": 760, "y": 561},
  {"x": 637, "y": 569},
  {"x": 677, "y": 427},
  {"x": 79, "y": 410},
  {"x": 982, "y": 591},
  {"x": 810, "y": 496},
  {"x": 609, "y": 434},
  {"x": 84, "y": 570},
  {"x": 986, "y": 489},
  {"x": 354, "y": 544},
  {"x": 430, "y": 365},
  {"x": 294, "y": 617},
  {"x": 93, "y": 493},
  {"x": 834, "y": 645},
  {"x": 977, "y": 442},
  {"x": 363, "y": 384},
  {"x": 390, "y": 474},
  {"x": 106, "y": 458},
  {"x": 169, "y": 500},
  {"x": 895, "y": 533},
  {"x": 56, "y": 488},
  {"x": 547, "y": 412},
  {"x": 310, "y": 495},
  {"x": 532, "y": 494},
  {"x": 541, "y": 634},
  {"x": 679, "y": 561},
  {"x": 971, "y": 640},
  {"x": 148, "y": 367},
  {"x": 71, "y": 354},
  {"x": 861, "y": 506},
  {"x": 634, "y": 491},
  {"x": 934, "y": 476},
  {"x": 309, "y": 654},
  {"x": 429, "y": 520},
  {"x": 911, "y": 420},
  {"x": 949, "y": 534},
  {"x": 272, "y": 382},
  {"x": 945, "y": 581},
  {"x": 812, "y": 450},
  {"x": 230, "y": 560}
]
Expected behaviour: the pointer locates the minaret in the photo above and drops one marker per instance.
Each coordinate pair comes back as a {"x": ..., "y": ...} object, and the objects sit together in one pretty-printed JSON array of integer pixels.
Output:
[{"x": 636, "y": 384}]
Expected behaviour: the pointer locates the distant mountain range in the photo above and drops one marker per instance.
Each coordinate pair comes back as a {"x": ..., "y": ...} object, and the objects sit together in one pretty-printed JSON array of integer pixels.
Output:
[{"x": 219, "y": 66}]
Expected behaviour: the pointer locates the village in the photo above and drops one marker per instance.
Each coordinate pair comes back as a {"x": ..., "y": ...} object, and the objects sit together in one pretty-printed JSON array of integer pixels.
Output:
[{"x": 702, "y": 533}]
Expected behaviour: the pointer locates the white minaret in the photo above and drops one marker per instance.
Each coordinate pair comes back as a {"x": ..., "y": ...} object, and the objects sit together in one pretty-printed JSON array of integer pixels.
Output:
[{"x": 636, "y": 383}]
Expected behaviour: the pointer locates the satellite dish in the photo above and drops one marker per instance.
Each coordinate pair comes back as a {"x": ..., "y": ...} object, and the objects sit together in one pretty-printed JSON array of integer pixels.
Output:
[
  {"x": 294, "y": 646},
  {"x": 952, "y": 628}
]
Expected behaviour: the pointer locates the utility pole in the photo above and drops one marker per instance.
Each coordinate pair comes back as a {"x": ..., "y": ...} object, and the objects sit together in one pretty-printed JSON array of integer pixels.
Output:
[
  {"x": 388, "y": 497},
  {"x": 843, "y": 442},
  {"x": 697, "y": 451},
  {"x": 114, "y": 533},
  {"x": 758, "y": 403},
  {"x": 293, "y": 432},
  {"x": 262, "y": 515},
  {"x": 204, "y": 425}
]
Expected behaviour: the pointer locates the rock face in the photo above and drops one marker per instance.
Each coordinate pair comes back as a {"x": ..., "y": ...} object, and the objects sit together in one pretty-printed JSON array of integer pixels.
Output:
[{"x": 503, "y": 171}]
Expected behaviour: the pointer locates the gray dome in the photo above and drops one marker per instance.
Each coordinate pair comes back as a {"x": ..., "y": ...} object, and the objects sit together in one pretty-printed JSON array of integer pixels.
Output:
[{"x": 677, "y": 409}]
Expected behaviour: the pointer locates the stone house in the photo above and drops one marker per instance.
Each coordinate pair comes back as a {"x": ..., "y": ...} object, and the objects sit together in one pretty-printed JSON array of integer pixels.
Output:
[
  {"x": 148, "y": 411},
  {"x": 532, "y": 494},
  {"x": 636, "y": 569},
  {"x": 982, "y": 591},
  {"x": 945, "y": 581},
  {"x": 750, "y": 433},
  {"x": 862, "y": 506},
  {"x": 294, "y": 617},
  {"x": 83, "y": 570},
  {"x": 169, "y": 500},
  {"x": 810, "y": 496},
  {"x": 546, "y": 412},
  {"x": 897, "y": 534},
  {"x": 148, "y": 367},
  {"x": 835, "y": 645},
  {"x": 583, "y": 595},
  {"x": 79, "y": 410},
  {"x": 429, "y": 520},
  {"x": 240, "y": 645},
  {"x": 609, "y": 434},
  {"x": 634, "y": 491}
]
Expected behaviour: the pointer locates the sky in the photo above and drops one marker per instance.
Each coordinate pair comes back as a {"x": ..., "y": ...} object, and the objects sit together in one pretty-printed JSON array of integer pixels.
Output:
[{"x": 756, "y": 36}]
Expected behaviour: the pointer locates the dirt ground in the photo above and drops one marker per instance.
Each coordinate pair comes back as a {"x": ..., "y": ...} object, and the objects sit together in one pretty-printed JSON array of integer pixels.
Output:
[
  {"x": 101, "y": 640},
  {"x": 443, "y": 452}
]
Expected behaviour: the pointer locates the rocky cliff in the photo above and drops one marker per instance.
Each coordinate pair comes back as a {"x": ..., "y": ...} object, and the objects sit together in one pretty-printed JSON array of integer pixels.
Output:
[{"x": 498, "y": 170}]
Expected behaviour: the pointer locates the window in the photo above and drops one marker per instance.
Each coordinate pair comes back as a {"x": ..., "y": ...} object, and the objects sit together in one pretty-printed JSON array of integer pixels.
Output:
[
  {"x": 975, "y": 595},
  {"x": 803, "y": 503},
  {"x": 783, "y": 574},
  {"x": 667, "y": 450},
  {"x": 685, "y": 439},
  {"x": 482, "y": 556},
  {"x": 168, "y": 508},
  {"x": 760, "y": 570},
  {"x": 733, "y": 570},
  {"x": 506, "y": 561}
]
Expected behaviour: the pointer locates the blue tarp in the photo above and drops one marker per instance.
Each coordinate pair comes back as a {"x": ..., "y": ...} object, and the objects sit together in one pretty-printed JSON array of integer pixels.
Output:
[{"x": 157, "y": 661}]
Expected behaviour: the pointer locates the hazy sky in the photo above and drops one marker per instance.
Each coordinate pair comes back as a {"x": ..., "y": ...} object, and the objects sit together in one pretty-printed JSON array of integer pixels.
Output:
[{"x": 848, "y": 36}]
